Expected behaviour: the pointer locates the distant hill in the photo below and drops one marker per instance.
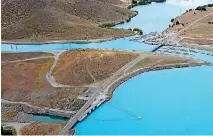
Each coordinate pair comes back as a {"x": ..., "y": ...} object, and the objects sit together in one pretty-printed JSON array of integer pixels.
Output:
[{"x": 42, "y": 20}]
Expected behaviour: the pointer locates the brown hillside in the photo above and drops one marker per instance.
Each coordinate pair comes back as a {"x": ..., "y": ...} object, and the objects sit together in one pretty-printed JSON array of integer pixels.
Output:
[
  {"x": 42, "y": 128},
  {"x": 121, "y": 3},
  {"x": 26, "y": 81},
  {"x": 83, "y": 67},
  {"x": 23, "y": 55},
  {"x": 41, "y": 20}
]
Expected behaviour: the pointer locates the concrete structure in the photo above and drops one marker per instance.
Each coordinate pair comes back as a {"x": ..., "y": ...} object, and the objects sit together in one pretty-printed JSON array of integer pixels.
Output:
[
  {"x": 112, "y": 82},
  {"x": 98, "y": 98},
  {"x": 82, "y": 113}
]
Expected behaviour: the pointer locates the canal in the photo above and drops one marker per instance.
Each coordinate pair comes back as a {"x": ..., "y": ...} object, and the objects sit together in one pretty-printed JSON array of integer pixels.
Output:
[{"x": 176, "y": 101}]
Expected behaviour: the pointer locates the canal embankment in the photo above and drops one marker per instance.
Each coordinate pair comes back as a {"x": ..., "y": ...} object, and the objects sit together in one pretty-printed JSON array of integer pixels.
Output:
[
  {"x": 149, "y": 69},
  {"x": 65, "y": 41},
  {"x": 20, "y": 111},
  {"x": 128, "y": 76}
]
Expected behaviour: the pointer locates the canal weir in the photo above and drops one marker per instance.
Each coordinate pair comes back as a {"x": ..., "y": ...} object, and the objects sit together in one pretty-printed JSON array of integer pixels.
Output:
[{"x": 157, "y": 47}]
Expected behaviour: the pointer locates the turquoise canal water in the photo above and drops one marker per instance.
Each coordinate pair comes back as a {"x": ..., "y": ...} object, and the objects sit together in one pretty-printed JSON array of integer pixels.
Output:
[
  {"x": 153, "y": 17},
  {"x": 201, "y": 55},
  {"x": 177, "y": 101},
  {"x": 46, "y": 118},
  {"x": 120, "y": 44}
]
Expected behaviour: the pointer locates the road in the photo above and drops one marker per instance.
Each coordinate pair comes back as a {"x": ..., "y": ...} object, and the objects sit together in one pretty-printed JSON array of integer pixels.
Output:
[
  {"x": 116, "y": 76},
  {"x": 75, "y": 119},
  {"x": 172, "y": 38},
  {"x": 102, "y": 89},
  {"x": 52, "y": 80},
  {"x": 27, "y": 59},
  {"x": 123, "y": 69}
]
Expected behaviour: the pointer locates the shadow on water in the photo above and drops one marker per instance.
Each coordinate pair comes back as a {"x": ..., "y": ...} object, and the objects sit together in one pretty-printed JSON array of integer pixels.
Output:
[{"x": 46, "y": 118}]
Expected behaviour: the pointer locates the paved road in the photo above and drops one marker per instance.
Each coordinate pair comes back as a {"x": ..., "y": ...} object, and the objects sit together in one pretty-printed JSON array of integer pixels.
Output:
[
  {"x": 27, "y": 59},
  {"x": 166, "y": 65},
  {"x": 115, "y": 77},
  {"x": 173, "y": 37},
  {"x": 103, "y": 88},
  {"x": 73, "y": 120},
  {"x": 52, "y": 80},
  {"x": 123, "y": 69}
]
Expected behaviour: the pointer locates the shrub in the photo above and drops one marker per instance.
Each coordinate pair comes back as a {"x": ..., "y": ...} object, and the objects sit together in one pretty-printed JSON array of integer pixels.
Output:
[
  {"x": 108, "y": 25},
  {"x": 210, "y": 5},
  {"x": 129, "y": 7},
  {"x": 128, "y": 19},
  {"x": 7, "y": 131},
  {"x": 202, "y": 8},
  {"x": 32, "y": 30},
  {"x": 122, "y": 22},
  {"x": 142, "y": 2},
  {"x": 134, "y": 2},
  {"x": 177, "y": 22},
  {"x": 158, "y": 1},
  {"x": 10, "y": 114},
  {"x": 138, "y": 30},
  {"x": 172, "y": 19}
]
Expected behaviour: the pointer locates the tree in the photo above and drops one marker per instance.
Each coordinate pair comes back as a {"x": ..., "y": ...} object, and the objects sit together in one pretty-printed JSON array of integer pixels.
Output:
[
  {"x": 210, "y": 5},
  {"x": 138, "y": 30},
  {"x": 6, "y": 131},
  {"x": 202, "y": 8},
  {"x": 129, "y": 19},
  {"x": 107, "y": 25},
  {"x": 134, "y": 2}
]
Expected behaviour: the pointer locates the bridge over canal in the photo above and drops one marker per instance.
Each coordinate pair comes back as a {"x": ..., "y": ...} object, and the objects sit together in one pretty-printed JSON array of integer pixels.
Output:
[{"x": 99, "y": 97}]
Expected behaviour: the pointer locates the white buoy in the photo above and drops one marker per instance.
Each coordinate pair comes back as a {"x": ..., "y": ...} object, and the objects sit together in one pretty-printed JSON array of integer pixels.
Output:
[{"x": 139, "y": 117}]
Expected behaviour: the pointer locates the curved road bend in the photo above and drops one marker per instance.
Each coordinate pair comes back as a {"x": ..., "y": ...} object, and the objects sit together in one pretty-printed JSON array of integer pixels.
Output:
[
  {"x": 142, "y": 56},
  {"x": 103, "y": 88},
  {"x": 52, "y": 80},
  {"x": 108, "y": 82}
]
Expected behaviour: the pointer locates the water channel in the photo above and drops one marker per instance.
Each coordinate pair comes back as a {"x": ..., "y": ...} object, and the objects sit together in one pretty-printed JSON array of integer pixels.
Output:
[{"x": 177, "y": 101}]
